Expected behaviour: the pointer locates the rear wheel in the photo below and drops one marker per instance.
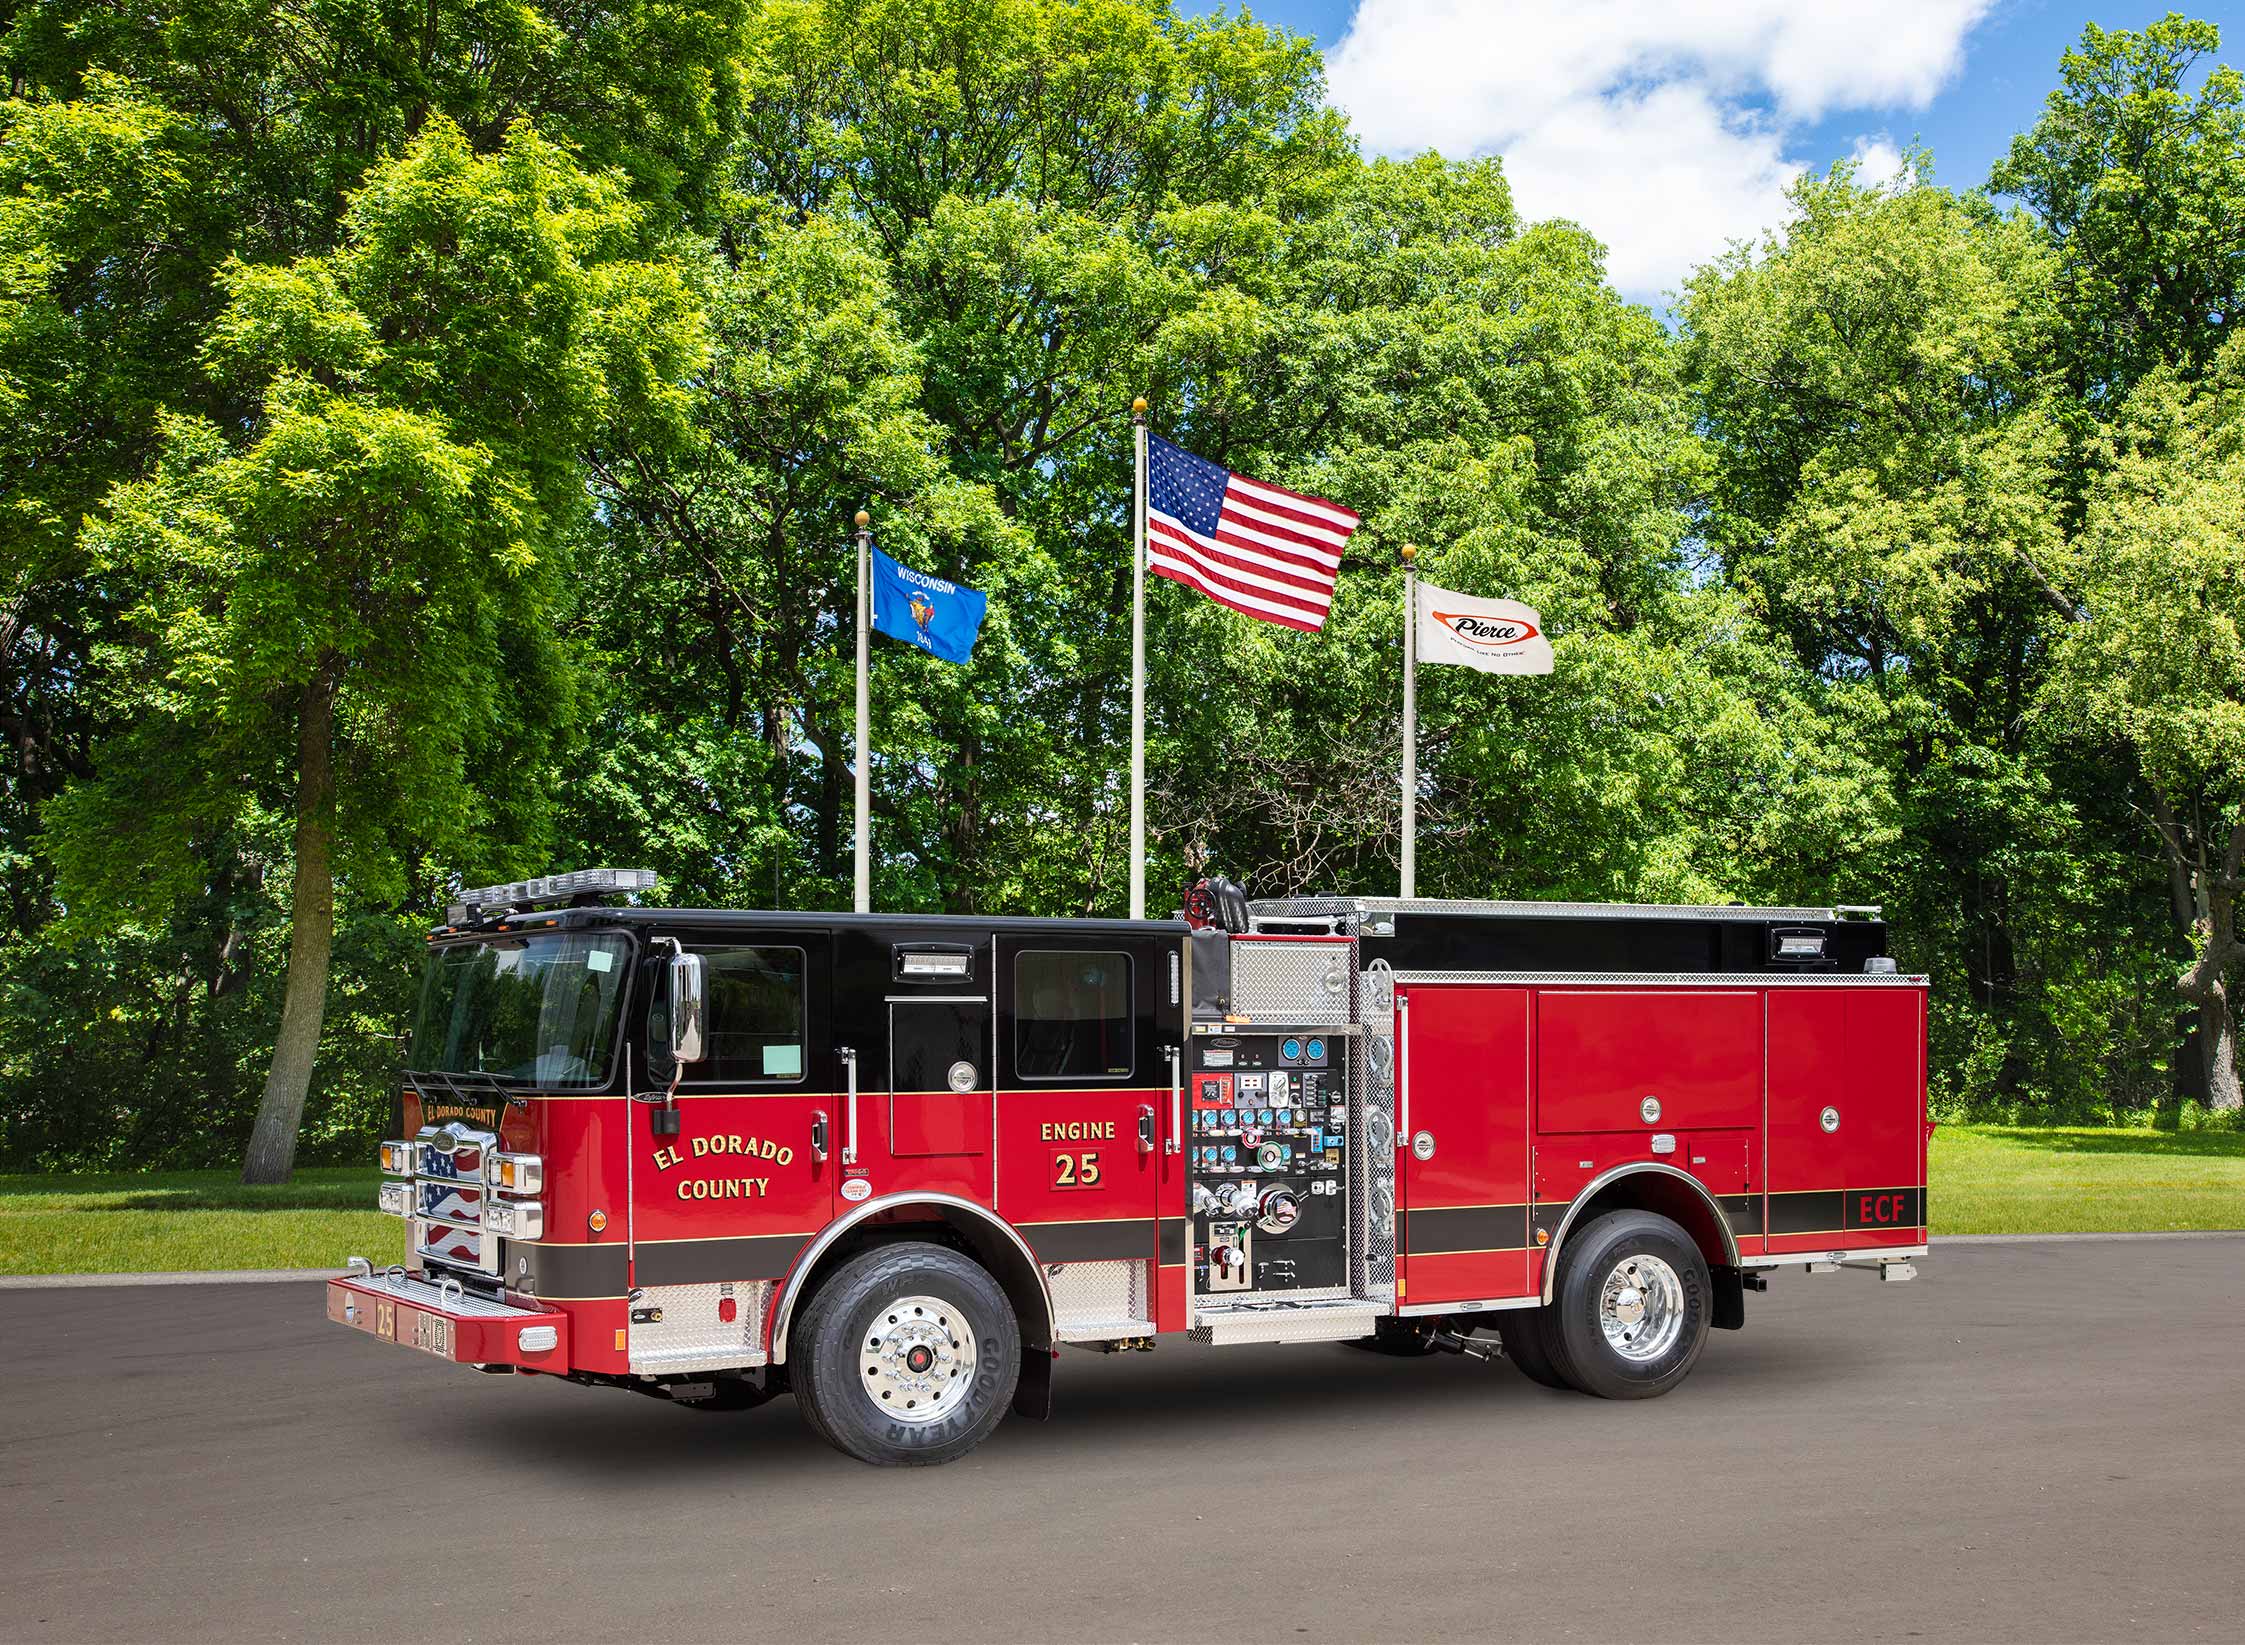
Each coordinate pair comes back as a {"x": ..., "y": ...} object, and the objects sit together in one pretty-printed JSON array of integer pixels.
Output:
[
  {"x": 1630, "y": 1310},
  {"x": 908, "y": 1356}
]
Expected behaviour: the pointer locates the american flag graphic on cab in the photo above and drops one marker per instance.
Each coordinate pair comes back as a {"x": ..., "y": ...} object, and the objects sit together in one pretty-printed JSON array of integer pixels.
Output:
[{"x": 1260, "y": 549}]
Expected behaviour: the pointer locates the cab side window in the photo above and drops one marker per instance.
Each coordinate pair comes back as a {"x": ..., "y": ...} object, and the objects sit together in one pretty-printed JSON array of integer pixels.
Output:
[
  {"x": 1072, "y": 1015},
  {"x": 757, "y": 1023}
]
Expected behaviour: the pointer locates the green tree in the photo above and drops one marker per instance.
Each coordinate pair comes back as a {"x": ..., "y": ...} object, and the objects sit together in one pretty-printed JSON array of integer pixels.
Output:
[
  {"x": 1881, "y": 386},
  {"x": 2157, "y": 661},
  {"x": 728, "y": 562},
  {"x": 353, "y": 600},
  {"x": 2140, "y": 186}
]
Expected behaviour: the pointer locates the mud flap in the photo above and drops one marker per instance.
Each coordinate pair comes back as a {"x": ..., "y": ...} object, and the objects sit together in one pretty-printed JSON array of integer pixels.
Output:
[
  {"x": 1729, "y": 1312},
  {"x": 1032, "y": 1394}
]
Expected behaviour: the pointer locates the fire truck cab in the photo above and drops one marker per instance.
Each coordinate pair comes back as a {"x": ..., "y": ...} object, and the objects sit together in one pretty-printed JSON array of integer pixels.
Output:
[{"x": 893, "y": 1164}]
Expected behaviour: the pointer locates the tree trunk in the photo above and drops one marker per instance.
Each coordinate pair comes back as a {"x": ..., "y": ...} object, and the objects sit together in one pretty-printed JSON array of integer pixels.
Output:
[
  {"x": 2214, "y": 888},
  {"x": 311, "y": 937},
  {"x": 2190, "y": 1065},
  {"x": 2217, "y": 1042}
]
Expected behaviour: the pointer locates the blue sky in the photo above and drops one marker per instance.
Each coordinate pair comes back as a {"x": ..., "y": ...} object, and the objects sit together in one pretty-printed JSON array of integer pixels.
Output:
[{"x": 1670, "y": 127}]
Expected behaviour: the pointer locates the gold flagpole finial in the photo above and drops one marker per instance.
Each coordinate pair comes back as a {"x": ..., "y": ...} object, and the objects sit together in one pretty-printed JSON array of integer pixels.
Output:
[
  {"x": 1138, "y": 406},
  {"x": 863, "y": 519},
  {"x": 1409, "y": 551}
]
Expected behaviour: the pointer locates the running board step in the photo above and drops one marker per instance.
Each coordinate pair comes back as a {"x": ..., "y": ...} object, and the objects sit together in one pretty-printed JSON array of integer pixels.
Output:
[{"x": 1287, "y": 1322}]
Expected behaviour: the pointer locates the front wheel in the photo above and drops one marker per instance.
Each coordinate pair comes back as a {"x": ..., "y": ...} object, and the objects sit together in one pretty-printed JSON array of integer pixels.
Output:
[
  {"x": 909, "y": 1355},
  {"x": 1631, "y": 1307}
]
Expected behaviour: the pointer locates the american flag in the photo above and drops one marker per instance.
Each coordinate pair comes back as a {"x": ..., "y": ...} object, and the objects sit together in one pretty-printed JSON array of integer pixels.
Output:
[{"x": 1260, "y": 549}]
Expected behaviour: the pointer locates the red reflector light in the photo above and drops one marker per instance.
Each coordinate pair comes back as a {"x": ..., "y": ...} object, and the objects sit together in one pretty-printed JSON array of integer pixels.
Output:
[{"x": 728, "y": 1310}]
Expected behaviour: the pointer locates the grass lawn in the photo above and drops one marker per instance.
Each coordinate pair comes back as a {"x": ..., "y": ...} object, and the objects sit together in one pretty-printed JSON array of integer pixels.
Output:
[
  {"x": 1986, "y": 1180},
  {"x": 142, "y": 1223},
  {"x": 1989, "y": 1179}
]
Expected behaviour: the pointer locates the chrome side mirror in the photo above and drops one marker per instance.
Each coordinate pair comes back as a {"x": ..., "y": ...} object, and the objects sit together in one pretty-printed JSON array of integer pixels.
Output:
[{"x": 689, "y": 1007}]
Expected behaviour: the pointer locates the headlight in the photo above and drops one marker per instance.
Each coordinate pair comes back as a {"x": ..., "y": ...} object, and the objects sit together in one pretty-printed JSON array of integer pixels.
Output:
[
  {"x": 515, "y": 1173},
  {"x": 515, "y": 1219},
  {"x": 395, "y": 1198},
  {"x": 397, "y": 1158}
]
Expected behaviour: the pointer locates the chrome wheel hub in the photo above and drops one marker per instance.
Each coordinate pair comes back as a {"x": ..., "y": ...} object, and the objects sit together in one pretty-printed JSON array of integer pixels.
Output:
[
  {"x": 917, "y": 1360},
  {"x": 1641, "y": 1308}
]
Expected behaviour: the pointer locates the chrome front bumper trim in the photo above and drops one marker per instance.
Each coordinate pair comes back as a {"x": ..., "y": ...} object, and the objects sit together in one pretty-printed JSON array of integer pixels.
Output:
[{"x": 447, "y": 1296}]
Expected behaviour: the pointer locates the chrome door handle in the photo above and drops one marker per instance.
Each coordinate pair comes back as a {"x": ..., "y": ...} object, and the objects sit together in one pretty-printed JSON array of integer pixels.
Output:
[
  {"x": 1145, "y": 1128},
  {"x": 818, "y": 1135},
  {"x": 1403, "y": 1070},
  {"x": 1176, "y": 1143},
  {"x": 849, "y": 1123}
]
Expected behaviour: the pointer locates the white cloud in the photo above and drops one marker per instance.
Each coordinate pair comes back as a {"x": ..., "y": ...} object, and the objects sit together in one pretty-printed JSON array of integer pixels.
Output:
[
  {"x": 1877, "y": 161},
  {"x": 1661, "y": 125}
]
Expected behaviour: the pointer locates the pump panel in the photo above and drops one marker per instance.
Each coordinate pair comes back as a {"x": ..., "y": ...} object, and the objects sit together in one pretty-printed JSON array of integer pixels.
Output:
[{"x": 1266, "y": 1148}]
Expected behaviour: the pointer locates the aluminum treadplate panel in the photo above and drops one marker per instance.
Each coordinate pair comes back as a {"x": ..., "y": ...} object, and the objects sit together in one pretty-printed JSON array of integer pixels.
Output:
[
  {"x": 691, "y": 1334},
  {"x": 1096, "y": 1301},
  {"x": 1309, "y": 1322}
]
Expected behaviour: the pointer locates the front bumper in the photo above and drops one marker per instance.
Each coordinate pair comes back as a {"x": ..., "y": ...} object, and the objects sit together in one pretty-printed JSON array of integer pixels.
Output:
[{"x": 441, "y": 1318}]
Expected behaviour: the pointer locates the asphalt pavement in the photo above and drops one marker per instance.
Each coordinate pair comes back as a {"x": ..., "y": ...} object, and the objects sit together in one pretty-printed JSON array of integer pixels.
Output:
[{"x": 2034, "y": 1442}]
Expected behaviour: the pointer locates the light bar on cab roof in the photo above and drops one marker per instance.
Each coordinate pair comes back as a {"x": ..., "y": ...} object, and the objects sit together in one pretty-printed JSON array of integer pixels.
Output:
[{"x": 550, "y": 888}]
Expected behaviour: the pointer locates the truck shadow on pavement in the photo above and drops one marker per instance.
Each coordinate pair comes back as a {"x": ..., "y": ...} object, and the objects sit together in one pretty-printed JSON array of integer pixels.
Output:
[{"x": 1193, "y": 1397}]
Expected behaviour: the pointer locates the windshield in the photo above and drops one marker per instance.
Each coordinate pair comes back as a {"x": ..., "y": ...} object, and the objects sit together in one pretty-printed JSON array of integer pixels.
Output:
[{"x": 541, "y": 1009}]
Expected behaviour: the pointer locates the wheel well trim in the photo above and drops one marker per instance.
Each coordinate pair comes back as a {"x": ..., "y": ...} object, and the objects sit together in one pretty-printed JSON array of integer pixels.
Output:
[
  {"x": 1605, "y": 1180},
  {"x": 783, "y": 1311}
]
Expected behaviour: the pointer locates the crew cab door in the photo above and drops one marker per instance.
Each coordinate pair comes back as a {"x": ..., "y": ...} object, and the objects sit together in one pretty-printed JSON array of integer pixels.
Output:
[
  {"x": 1084, "y": 1021},
  {"x": 925, "y": 1036},
  {"x": 733, "y": 1195}
]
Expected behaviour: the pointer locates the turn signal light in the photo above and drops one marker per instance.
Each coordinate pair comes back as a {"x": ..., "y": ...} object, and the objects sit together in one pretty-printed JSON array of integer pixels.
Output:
[
  {"x": 515, "y": 1173},
  {"x": 513, "y": 1219},
  {"x": 397, "y": 1158},
  {"x": 539, "y": 1339},
  {"x": 396, "y": 1198}
]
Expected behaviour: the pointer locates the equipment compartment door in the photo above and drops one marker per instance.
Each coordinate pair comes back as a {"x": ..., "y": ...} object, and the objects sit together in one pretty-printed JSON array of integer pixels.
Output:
[
  {"x": 1846, "y": 1117},
  {"x": 1462, "y": 1142},
  {"x": 1630, "y": 1061}
]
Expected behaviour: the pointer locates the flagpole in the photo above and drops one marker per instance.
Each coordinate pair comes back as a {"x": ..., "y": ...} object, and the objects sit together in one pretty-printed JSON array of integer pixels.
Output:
[
  {"x": 1138, "y": 667},
  {"x": 864, "y": 901},
  {"x": 1410, "y": 553}
]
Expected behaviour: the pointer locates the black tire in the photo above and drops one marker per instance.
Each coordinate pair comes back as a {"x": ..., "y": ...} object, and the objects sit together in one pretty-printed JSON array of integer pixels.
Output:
[
  {"x": 1403, "y": 1338},
  {"x": 1668, "y": 1265},
  {"x": 866, "y": 1309},
  {"x": 1527, "y": 1343}
]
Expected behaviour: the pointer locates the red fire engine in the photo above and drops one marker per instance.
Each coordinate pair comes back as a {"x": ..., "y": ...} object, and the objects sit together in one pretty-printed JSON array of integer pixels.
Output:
[{"x": 894, "y": 1163}]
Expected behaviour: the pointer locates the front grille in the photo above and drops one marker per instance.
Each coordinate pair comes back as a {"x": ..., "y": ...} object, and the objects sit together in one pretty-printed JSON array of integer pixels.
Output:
[{"x": 448, "y": 1196}]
